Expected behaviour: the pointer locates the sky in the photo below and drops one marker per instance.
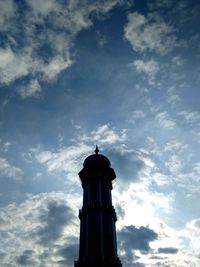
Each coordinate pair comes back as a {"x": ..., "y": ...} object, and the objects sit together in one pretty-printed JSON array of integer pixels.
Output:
[{"x": 120, "y": 74}]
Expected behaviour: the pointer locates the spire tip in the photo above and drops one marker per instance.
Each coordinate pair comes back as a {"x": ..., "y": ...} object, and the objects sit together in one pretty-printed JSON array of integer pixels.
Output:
[{"x": 96, "y": 150}]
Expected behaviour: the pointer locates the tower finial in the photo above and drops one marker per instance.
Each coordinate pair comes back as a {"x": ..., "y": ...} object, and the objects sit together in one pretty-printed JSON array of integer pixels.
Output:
[{"x": 96, "y": 150}]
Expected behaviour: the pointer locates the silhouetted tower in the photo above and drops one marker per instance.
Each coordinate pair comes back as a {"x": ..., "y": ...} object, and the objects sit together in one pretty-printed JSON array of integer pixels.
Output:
[{"x": 98, "y": 246}]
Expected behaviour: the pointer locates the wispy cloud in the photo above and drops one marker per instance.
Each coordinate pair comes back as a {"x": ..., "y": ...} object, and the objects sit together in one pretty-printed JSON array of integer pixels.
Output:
[
  {"x": 8, "y": 170},
  {"x": 175, "y": 146},
  {"x": 104, "y": 135},
  {"x": 32, "y": 89},
  {"x": 190, "y": 116},
  {"x": 69, "y": 159},
  {"x": 149, "y": 67},
  {"x": 165, "y": 121},
  {"x": 65, "y": 159},
  {"x": 178, "y": 60},
  {"x": 137, "y": 115},
  {"x": 108, "y": 135}
]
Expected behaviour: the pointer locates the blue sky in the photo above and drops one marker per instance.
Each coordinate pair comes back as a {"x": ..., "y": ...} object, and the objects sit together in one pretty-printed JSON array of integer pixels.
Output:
[{"x": 121, "y": 74}]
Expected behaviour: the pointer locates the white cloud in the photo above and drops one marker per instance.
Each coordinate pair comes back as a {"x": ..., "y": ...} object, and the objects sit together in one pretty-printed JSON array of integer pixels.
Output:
[
  {"x": 173, "y": 95},
  {"x": 157, "y": 4},
  {"x": 175, "y": 146},
  {"x": 42, "y": 8},
  {"x": 165, "y": 121},
  {"x": 197, "y": 168},
  {"x": 174, "y": 165},
  {"x": 173, "y": 99},
  {"x": 55, "y": 66},
  {"x": 104, "y": 135},
  {"x": 8, "y": 170},
  {"x": 149, "y": 67},
  {"x": 192, "y": 233},
  {"x": 13, "y": 65},
  {"x": 161, "y": 179},
  {"x": 178, "y": 60},
  {"x": 7, "y": 13},
  {"x": 5, "y": 146},
  {"x": 107, "y": 135},
  {"x": 59, "y": 24},
  {"x": 137, "y": 115},
  {"x": 102, "y": 40},
  {"x": 149, "y": 33},
  {"x": 147, "y": 206},
  {"x": 190, "y": 116},
  {"x": 194, "y": 227},
  {"x": 67, "y": 159},
  {"x": 32, "y": 89}
]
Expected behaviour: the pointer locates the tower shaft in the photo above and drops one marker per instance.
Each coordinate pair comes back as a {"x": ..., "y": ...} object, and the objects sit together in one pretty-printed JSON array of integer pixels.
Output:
[{"x": 98, "y": 246}]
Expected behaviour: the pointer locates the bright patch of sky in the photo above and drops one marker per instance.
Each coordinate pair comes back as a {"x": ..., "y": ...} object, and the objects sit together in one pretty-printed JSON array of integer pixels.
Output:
[{"x": 120, "y": 74}]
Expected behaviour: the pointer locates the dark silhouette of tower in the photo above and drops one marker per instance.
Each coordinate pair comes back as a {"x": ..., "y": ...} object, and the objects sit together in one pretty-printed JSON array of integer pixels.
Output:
[{"x": 98, "y": 246}]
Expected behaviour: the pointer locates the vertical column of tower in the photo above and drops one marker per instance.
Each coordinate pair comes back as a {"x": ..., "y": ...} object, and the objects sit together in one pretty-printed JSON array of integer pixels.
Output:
[
  {"x": 97, "y": 217},
  {"x": 83, "y": 248}
]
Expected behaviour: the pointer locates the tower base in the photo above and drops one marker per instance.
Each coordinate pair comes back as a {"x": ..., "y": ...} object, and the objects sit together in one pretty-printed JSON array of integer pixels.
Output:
[{"x": 92, "y": 263}]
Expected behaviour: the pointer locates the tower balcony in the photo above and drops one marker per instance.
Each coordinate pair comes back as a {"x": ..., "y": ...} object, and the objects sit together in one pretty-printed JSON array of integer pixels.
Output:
[{"x": 96, "y": 207}]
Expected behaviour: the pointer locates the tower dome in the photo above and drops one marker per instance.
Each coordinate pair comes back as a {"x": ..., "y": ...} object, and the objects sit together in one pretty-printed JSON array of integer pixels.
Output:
[{"x": 96, "y": 160}]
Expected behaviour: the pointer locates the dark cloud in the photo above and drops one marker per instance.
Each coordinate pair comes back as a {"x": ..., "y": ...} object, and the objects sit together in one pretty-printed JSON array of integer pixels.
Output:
[
  {"x": 168, "y": 250},
  {"x": 131, "y": 238},
  {"x": 2, "y": 255},
  {"x": 69, "y": 254},
  {"x": 134, "y": 264},
  {"x": 120, "y": 211},
  {"x": 136, "y": 238},
  {"x": 45, "y": 255},
  {"x": 155, "y": 257},
  {"x": 26, "y": 259},
  {"x": 57, "y": 216},
  {"x": 126, "y": 164}
]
